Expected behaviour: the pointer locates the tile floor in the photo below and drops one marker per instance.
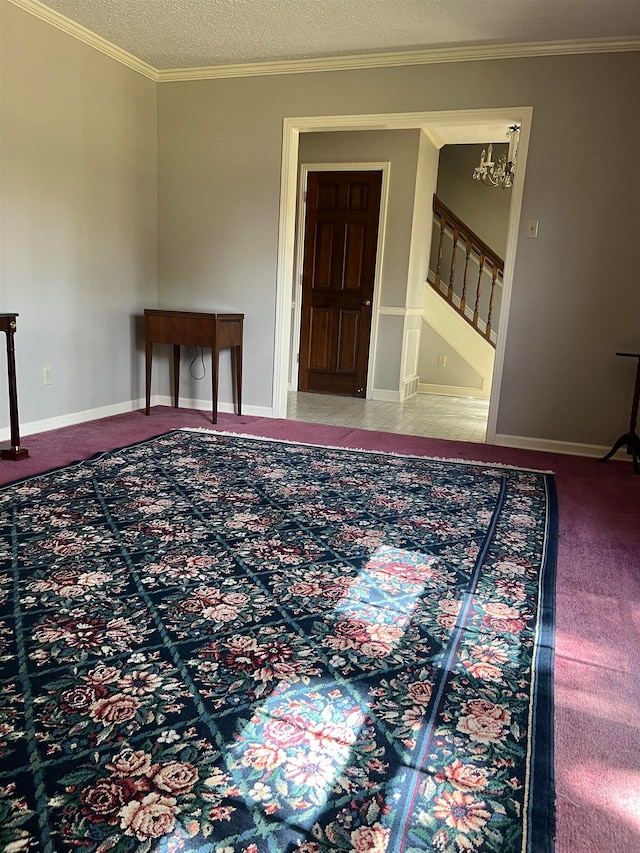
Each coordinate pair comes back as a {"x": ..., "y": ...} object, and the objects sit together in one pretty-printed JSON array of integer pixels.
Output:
[{"x": 430, "y": 415}]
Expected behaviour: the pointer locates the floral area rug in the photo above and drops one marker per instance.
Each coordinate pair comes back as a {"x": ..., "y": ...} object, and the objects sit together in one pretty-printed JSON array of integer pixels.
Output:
[{"x": 219, "y": 643}]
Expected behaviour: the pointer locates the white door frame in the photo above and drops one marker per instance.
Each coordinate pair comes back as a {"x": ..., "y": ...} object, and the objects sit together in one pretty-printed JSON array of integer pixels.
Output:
[
  {"x": 296, "y": 308},
  {"x": 292, "y": 128}
]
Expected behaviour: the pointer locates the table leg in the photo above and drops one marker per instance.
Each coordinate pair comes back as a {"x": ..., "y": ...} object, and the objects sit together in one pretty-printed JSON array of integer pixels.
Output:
[
  {"x": 630, "y": 439},
  {"x": 634, "y": 412},
  {"x": 623, "y": 441},
  {"x": 176, "y": 374},
  {"x": 148, "y": 357},
  {"x": 238, "y": 354},
  {"x": 635, "y": 451},
  {"x": 215, "y": 362},
  {"x": 14, "y": 452}
]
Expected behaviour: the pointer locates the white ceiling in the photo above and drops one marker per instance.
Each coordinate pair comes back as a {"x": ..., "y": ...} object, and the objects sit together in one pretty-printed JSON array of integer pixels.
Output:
[{"x": 170, "y": 34}]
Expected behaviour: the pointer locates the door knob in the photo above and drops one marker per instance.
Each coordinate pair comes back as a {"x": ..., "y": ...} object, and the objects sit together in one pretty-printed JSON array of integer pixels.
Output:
[{"x": 366, "y": 303}]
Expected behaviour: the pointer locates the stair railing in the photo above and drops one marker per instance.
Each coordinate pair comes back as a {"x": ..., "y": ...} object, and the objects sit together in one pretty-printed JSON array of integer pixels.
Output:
[{"x": 488, "y": 262}]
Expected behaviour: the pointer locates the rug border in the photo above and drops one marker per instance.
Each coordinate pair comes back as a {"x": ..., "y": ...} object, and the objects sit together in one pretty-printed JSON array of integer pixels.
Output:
[
  {"x": 99, "y": 453},
  {"x": 541, "y": 807},
  {"x": 454, "y": 460}
]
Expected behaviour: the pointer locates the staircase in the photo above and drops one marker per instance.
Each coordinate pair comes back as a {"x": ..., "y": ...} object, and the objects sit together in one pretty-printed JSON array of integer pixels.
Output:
[
  {"x": 461, "y": 305},
  {"x": 468, "y": 273}
]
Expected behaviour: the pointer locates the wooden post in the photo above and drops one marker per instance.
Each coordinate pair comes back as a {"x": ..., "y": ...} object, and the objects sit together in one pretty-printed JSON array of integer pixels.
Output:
[{"x": 14, "y": 452}]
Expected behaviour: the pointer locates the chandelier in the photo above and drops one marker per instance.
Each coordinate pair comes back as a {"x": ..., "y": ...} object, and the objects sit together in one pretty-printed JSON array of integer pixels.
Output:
[{"x": 499, "y": 174}]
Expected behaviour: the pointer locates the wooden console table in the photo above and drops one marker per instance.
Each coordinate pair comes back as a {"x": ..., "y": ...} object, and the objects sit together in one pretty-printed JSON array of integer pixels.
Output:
[
  {"x": 192, "y": 328},
  {"x": 631, "y": 438},
  {"x": 14, "y": 451}
]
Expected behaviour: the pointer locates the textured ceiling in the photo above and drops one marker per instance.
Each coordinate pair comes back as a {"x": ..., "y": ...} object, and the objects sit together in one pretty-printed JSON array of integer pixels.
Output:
[{"x": 190, "y": 33}]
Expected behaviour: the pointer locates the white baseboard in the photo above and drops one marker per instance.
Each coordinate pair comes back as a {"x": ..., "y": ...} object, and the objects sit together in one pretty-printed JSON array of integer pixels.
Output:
[
  {"x": 569, "y": 448},
  {"x": 205, "y": 405},
  {"x": 452, "y": 391},
  {"x": 386, "y": 396},
  {"x": 74, "y": 418},
  {"x": 595, "y": 451}
]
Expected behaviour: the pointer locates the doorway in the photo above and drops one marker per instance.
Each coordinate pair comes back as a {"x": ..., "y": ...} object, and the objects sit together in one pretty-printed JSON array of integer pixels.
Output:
[{"x": 447, "y": 127}]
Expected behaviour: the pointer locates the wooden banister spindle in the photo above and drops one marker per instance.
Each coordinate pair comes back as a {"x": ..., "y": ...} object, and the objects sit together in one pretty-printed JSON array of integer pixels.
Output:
[
  {"x": 477, "y": 305},
  {"x": 456, "y": 235},
  {"x": 494, "y": 276},
  {"x": 443, "y": 225},
  {"x": 463, "y": 300}
]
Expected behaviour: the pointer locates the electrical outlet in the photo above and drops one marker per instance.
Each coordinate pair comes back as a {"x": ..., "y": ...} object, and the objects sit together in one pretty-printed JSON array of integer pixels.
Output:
[
  {"x": 442, "y": 360},
  {"x": 532, "y": 228},
  {"x": 46, "y": 376}
]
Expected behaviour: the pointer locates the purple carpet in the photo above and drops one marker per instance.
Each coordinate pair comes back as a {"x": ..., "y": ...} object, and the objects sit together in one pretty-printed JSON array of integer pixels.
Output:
[{"x": 597, "y": 712}]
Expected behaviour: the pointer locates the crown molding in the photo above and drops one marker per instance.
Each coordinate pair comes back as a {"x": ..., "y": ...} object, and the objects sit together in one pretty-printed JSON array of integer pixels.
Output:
[
  {"x": 60, "y": 22},
  {"x": 430, "y": 56},
  {"x": 399, "y": 58},
  {"x": 433, "y": 136}
]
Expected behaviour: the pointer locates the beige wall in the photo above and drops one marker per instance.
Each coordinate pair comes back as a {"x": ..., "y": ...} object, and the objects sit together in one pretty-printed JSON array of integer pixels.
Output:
[
  {"x": 78, "y": 211},
  {"x": 574, "y": 303}
]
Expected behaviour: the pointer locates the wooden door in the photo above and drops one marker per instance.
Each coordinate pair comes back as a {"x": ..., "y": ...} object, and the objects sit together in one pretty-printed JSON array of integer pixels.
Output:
[{"x": 340, "y": 243}]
